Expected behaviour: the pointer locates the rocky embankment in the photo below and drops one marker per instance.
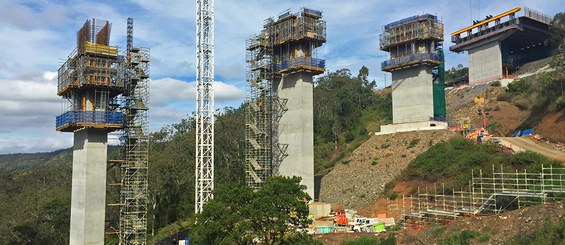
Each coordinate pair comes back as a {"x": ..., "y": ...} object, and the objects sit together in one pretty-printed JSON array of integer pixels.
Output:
[{"x": 359, "y": 180}]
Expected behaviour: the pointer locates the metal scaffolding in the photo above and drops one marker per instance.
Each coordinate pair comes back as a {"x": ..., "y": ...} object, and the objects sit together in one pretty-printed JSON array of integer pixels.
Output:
[
  {"x": 88, "y": 82},
  {"x": 284, "y": 46},
  {"x": 259, "y": 107},
  {"x": 486, "y": 194},
  {"x": 411, "y": 41},
  {"x": 135, "y": 143}
]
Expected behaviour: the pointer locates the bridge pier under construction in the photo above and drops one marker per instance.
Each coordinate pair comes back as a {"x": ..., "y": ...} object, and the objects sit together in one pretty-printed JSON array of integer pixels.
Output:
[
  {"x": 498, "y": 46},
  {"x": 279, "y": 132}
]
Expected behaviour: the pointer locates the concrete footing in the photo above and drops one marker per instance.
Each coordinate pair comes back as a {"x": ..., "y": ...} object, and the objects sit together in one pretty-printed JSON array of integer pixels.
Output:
[
  {"x": 88, "y": 200},
  {"x": 416, "y": 126}
]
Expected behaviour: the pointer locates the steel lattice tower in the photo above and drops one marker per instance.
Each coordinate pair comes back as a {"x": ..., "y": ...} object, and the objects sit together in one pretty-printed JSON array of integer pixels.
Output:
[
  {"x": 204, "y": 103},
  {"x": 135, "y": 142}
]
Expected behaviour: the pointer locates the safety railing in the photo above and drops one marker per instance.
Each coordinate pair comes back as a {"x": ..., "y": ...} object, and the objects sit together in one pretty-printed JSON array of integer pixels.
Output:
[
  {"x": 536, "y": 15},
  {"x": 409, "y": 59},
  {"x": 312, "y": 11},
  {"x": 301, "y": 62},
  {"x": 486, "y": 32},
  {"x": 90, "y": 117},
  {"x": 88, "y": 70},
  {"x": 388, "y": 39},
  {"x": 412, "y": 18}
]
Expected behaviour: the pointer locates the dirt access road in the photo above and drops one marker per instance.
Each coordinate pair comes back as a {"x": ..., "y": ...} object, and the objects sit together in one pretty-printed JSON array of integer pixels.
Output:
[{"x": 526, "y": 143}]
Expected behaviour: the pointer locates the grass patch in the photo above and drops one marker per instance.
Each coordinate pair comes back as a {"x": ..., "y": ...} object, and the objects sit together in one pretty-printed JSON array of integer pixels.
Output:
[
  {"x": 345, "y": 161},
  {"x": 438, "y": 230},
  {"x": 375, "y": 161},
  {"x": 484, "y": 238},
  {"x": 463, "y": 237},
  {"x": 385, "y": 145},
  {"x": 452, "y": 162},
  {"x": 390, "y": 240}
]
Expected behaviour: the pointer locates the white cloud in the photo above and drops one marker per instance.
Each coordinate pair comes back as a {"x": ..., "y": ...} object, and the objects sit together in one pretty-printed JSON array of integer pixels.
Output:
[{"x": 167, "y": 90}]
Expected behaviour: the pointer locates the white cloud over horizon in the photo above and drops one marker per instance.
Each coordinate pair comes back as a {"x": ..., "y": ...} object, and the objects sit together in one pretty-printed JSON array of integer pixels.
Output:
[{"x": 37, "y": 35}]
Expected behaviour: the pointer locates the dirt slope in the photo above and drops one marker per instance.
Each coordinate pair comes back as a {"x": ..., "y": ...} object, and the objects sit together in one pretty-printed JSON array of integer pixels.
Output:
[
  {"x": 552, "y": 126},
  {"x": 460, "y": 105},
  {"x": 527, "y": 143},
  {"x": 360, "y": 180}
]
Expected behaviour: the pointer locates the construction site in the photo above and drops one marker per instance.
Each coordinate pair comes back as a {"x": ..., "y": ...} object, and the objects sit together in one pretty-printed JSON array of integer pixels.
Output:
[{"x": 106, "y": 91}]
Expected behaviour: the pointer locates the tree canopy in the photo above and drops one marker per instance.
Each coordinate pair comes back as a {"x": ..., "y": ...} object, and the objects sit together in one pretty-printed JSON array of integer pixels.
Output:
[{"x": 238, "y": 215}]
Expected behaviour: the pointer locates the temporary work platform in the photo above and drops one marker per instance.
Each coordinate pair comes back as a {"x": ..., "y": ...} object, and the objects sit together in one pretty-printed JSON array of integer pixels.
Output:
[{"x": 88, "y": 82}]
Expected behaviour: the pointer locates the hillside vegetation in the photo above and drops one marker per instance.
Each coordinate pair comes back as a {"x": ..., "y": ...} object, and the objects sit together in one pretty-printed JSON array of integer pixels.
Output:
[
  {"x": 346, "y": 110},
  {"x": 452, "y": 162}
]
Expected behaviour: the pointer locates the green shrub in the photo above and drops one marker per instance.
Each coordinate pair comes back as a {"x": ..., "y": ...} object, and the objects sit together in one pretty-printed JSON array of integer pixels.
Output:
[
  {"x": 349, "y": 136},
  {"x": 375, "y": 161},
  {"x": 459, "y": 238},
  {"x": 345, "y": 161},
  {"x": 548, "y": 233},
  {"x": 504, "y": 97},
  {"x": 390, "y": 240},
  {"x": 438, "y": 230},
  {"x": 484, "y": 238},
  {"x": 560, "y": 103},
  {"x": 392, "y": 195},
  {"x": 363, "y": 131},
  {"x": 494, "y": 126},
  {"x": 385, "y": 145},
  {"x": 519, "y": 86},
  {"x": 522, "y": 103},
  {"x": 495, "y": 84},
  {"x": 413, "y": 143}
]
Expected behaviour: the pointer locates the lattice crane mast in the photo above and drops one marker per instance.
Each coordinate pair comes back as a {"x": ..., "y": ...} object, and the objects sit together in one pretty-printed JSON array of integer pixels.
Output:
[{"x": 204, "y": 103}]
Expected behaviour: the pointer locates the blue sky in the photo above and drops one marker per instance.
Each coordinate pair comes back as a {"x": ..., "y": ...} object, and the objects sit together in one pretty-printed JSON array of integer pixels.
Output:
[{"x": 37, "y": 35}]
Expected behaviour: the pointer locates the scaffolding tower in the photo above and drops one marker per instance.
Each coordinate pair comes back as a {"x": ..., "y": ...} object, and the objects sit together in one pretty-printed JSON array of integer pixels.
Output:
[
  {"x": 259, "y": 107},
  {"x": 135, "y": 142},
  {"x": 284, "y": 46}
]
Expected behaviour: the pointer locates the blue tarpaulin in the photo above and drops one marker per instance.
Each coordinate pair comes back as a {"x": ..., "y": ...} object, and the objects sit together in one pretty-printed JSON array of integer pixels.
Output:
[{"x": 525, "y": 132}]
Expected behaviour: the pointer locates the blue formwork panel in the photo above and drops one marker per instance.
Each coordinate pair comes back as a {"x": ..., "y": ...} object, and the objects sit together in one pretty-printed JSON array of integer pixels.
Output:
[
  {"x": 301, "y": 61},
  {"x": 90, "y": 117}
]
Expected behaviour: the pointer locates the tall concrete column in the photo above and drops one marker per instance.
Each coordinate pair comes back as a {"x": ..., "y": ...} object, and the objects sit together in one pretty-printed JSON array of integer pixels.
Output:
[
  {"x": 88, "y": 200},
  {"x": 485, "y": 62},
  {"x": 412, "y": 95},
  {"x": 296, "y": 127}
]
